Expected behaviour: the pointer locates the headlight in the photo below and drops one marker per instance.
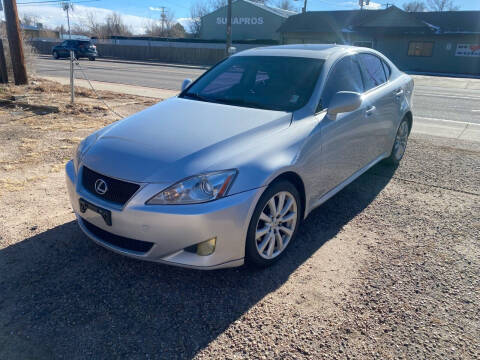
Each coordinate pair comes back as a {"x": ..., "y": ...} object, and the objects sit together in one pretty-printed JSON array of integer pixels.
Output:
[
  {"x": 82, "y": 149},
  {"x": 196, "y": 189}
]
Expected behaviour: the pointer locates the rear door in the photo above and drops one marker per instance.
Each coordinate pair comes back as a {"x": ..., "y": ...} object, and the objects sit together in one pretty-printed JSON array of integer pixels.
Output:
[
  {"x": 62, "y": 49},
  {"x": 379, "y": 94}
]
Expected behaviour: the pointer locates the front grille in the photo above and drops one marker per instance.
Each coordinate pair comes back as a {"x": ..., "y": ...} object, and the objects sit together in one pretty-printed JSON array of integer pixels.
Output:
[
  {"x": 118, "y": 241},
  {"x": 118, "y": 191}
]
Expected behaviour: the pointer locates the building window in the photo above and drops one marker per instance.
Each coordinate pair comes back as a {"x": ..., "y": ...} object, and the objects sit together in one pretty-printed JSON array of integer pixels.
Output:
[
  {"x": 420, "y": 48},
  {"x": 367, "y": 44}
]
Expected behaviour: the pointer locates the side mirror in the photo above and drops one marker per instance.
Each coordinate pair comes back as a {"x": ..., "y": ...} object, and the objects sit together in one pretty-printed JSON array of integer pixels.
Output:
[
  {"x": 343, "y": 101},
  {"x": 186, "y": 83}
]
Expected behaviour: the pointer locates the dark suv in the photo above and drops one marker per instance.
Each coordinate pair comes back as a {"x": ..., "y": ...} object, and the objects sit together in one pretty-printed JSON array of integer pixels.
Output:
[{"x": 81, "y": 48}]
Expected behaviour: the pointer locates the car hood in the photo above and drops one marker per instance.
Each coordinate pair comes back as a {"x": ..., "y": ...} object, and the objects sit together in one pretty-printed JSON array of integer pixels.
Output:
[{"x": 179, "y": 137}]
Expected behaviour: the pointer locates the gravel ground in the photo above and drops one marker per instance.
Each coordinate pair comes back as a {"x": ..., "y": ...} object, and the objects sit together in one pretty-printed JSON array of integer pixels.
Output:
[{"x": 388, "y": 268}]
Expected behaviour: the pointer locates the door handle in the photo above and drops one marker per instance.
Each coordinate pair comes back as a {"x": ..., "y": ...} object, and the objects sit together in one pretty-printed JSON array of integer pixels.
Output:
[
  {"x": 370, "y": 110},
  {"x": 398, "y": 92}
]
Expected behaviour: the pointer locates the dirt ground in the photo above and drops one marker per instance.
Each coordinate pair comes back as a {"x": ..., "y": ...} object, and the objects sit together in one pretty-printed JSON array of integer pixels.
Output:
[{"x": 387, "y": 269}]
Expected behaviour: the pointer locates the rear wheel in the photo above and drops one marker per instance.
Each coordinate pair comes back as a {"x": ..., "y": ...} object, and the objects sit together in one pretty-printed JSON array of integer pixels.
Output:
[
  {"x": 91, "y": 58},
  {"x": 274, "y": 224},
  {"x": 400, "y": 144},
  {"x": 55, "y": 55}
]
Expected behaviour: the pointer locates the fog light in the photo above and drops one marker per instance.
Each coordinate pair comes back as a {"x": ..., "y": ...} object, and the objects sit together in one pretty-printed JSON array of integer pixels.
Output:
[{"x": 207, "y": 247}]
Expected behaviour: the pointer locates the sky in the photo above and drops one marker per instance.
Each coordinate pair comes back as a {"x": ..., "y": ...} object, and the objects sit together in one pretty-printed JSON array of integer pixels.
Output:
[{"x": 139, "y": 12}]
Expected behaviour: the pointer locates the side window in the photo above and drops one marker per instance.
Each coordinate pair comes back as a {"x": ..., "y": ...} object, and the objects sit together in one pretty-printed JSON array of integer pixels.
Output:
[
  {"x": 372, "y": 69},
  {"x": 387, "y": 69},
  {"x": 345, "y": 76},
  {"x": 64, "y": 43}
]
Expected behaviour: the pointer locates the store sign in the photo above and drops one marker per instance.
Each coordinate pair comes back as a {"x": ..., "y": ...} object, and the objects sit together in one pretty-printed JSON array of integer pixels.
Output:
[
  {"x": 241, "y": 21},
  {"x": 468, "y": 50}
]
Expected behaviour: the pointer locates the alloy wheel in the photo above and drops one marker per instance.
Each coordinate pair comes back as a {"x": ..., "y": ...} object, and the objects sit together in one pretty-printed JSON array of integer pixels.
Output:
[
  {"x": 401, "y": 141},
  {"x": 276, "y": 225}
]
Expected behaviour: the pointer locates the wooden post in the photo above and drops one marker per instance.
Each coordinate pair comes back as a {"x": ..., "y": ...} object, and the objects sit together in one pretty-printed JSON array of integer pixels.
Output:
[
  {"x": 229, "y": 27},
  {"x": 3, "y": 65},
  {"x": 15, "y": 42}
]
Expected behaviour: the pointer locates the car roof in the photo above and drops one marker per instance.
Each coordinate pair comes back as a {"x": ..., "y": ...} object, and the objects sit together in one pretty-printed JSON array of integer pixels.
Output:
[{"x": 316, "y": 51}]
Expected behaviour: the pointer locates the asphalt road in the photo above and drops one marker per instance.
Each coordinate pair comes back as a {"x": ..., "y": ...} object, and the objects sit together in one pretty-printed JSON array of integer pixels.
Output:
[{"x": 435, "y": 98}]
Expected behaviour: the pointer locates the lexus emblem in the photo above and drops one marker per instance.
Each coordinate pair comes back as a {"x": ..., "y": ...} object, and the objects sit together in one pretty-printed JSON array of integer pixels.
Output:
[{"x": 101, "y": 186}]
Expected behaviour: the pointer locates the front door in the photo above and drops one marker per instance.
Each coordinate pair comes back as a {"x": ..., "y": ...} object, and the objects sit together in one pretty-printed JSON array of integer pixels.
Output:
[{"x": 344, "y": 145}]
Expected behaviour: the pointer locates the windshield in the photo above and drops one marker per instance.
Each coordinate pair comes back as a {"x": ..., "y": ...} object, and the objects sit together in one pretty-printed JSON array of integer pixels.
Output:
[{"x": 264, "y": 82}]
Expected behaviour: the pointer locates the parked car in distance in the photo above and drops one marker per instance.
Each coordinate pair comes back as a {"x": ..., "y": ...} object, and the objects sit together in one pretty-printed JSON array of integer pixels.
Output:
[
  {"x": 226, "y": 171},
  {"x": 81, "y": 48}
]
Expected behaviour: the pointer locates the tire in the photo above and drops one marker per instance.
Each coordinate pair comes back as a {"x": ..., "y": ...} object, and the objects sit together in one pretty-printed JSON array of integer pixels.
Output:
[
  {"x": 400, "y": 143},
  {"x": 55, "y": 55},
  {"x": 91, "y": 58},
  {"x": 264, "y": 250}
]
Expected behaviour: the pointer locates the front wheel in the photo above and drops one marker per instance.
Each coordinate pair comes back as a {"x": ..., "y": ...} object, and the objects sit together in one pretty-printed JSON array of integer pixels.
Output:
[
  {"x": 274, "y": 224},
  {"x": 400, "y": 144},
  {"x": 91, "y": 58},
  {"x": 55, "y": 55}
]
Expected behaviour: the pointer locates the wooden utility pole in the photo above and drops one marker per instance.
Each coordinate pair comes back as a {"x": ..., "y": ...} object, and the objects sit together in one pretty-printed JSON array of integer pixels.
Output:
[
  {"x": 229, "y": 27},
  {"x": 15, "y": 42},
  {"x": 3, "y": 65},
  {"x": 304, "y": 9}
]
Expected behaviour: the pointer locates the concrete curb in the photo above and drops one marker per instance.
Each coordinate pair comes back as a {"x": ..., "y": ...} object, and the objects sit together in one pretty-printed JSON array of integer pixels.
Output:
[
  {"x": 446, "y": 128},
  {"x": 117, "y": 88}
]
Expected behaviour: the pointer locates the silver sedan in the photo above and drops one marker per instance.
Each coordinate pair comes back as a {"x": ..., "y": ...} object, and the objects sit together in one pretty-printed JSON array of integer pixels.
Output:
[{"x": 225, "y": 172}]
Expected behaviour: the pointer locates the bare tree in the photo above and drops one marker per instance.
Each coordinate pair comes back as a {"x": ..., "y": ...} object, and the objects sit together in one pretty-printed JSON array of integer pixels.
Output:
[
  {"x": 113, "y": 25},
  {"x": 29, "y": 20},
  {"x": 217, "y": 4},
  {"x": 197, "y": 11},
  {"x": 166, "y": 26},
  {"x": 442, "y": 5},
  {"x": 414, "y": 6},
  {"x": 286, "y": 5},
  {"x": 201, "y": 8}
]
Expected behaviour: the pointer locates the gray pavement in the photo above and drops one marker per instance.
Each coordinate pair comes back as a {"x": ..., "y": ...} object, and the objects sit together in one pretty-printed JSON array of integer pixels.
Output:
[{"x": 435, "y": 98}]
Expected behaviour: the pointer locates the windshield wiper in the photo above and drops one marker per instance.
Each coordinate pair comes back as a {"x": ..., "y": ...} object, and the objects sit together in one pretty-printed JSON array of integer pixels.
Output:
[
  {"x": 197, "y": 96},
  {"x": 240, "y": 102}
]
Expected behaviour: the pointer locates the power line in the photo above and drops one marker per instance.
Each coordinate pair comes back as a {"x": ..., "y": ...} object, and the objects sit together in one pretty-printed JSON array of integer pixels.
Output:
[{"x": 47, "y": 2}]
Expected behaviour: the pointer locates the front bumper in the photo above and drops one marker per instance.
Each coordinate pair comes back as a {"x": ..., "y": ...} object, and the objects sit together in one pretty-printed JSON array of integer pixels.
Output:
[{"x": 171, "y": 228}]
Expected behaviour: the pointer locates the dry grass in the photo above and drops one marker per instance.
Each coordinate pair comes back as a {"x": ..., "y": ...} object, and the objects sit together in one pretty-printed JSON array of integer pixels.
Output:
[
  {"x": 39, "y": 128},
  {"x": 28, "y": 53}
]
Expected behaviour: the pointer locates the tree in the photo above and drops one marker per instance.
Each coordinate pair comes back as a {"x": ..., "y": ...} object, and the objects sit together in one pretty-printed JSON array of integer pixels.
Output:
[
  {"x": 201, "y": 8},
  {"x": 29, "y": 20},
  {"x": 414, "y": 6},
  {"x": 197, "y": 11},
  {"x": 61, "y": 30},
  {"x": 166, "y": 26},
  {"x": 177, "y": 31},
  {"x": 113, "y": 25},
  {"x": 442, "y": 5},
  {"x": 286, "y": 5}
]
